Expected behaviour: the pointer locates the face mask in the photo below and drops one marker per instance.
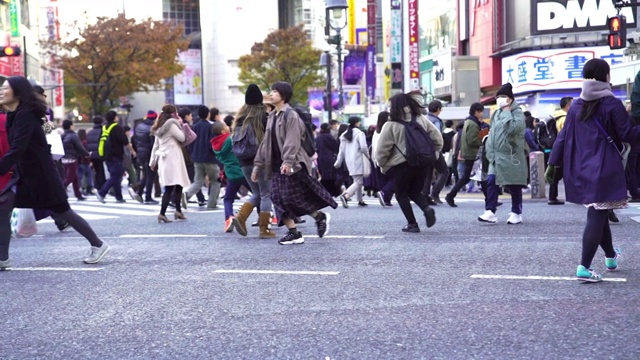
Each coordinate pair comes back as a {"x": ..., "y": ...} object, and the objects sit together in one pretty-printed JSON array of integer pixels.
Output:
[{"x": 502, "y": 102}]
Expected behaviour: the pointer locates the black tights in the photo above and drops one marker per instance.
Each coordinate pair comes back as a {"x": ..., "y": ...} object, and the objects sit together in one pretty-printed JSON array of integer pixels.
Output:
[
  {"x": 171, "y": 193},
  {"x": 596, "y": 233},
  {"x": 60, "y": 212}
]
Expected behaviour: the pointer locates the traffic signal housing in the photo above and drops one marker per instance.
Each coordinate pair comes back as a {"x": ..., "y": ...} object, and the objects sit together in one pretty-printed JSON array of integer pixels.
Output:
[
  {"x": 10, "y": 51},
  {"x": 617, "y": 38}
]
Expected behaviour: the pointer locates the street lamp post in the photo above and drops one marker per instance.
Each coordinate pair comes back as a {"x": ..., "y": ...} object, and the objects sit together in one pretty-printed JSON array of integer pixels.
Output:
[
  {"x": 325, "y": 60},
  {"x": 335, "y": 13}
]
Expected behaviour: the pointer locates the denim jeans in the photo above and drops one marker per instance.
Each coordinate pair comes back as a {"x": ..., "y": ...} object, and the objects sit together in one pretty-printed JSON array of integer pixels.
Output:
[
  {"x": 260, "y": 191},
  {"x": 116, "y": 170},
  {"x": 85, "y": 173}
]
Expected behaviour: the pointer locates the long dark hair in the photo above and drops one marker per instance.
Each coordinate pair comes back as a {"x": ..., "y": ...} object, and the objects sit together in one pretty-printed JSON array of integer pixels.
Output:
[
  {"x": 82, "y": 134},
  {"x": 29, "y": 100},
  {"x": 353, "y": 120},
  {"x": 401, "y": 101},
  {"x": 383, "y": 117}
]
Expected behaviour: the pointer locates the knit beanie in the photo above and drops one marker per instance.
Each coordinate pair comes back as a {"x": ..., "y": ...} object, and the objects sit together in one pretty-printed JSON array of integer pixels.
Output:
[
  {"x": 253, "y": 96},
  {"x": 506, "y": 90},
  {"x": 152, "y": 115}
]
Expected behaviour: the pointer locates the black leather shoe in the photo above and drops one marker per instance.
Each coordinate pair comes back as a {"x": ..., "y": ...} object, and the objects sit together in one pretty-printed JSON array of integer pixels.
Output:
[
  {"x": 612, "y": 217},
  {"x": 555, "y": 202},
  {"x": 449, "y": 201}
]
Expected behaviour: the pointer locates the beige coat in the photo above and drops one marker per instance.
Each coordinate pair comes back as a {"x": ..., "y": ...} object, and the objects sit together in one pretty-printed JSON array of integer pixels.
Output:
[
  {"x": 392, "y": 138},
  {"x": 167, "y": 154},
  {"x": 289, "y": 133}
]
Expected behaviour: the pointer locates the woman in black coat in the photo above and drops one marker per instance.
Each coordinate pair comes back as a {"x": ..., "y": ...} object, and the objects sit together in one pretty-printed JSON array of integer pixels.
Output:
[
  {"x": 29, "y": 156},
  {"x": 327, "y": 148}
]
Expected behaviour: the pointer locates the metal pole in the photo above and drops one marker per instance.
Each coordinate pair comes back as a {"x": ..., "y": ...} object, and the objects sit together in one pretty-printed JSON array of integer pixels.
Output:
[
  {"x": 340, "y": 101},
  {"x": 24, "y": 55},
  {"x": 329, "y": 83}
]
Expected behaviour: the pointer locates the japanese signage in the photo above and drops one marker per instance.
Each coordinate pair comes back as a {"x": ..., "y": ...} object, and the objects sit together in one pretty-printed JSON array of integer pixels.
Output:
[
  {"x": 553, "y": 69},
  {"x": 53, "y": 78},
  {"x": 13, "y": 18},
  {"x": 414, "y": 52},
  {"x": 371, "y": 49},
  {"x": 441, "y": 75},
  {"x": 396, "y": 44},
  {"x": 396, "y": 31},
  {"x": 564, "y": 16},
  {"x": 187, "y": 86}
]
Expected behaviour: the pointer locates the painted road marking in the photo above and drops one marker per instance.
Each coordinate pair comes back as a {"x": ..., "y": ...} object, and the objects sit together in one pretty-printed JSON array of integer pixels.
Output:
[
  {"x": 347, "y": 236},
  {"x": 53, "y": 269},
  {"x": 278, "y": 272},
  {"x": 161, "y": 236},
  {"x": 533, "y": 277}
]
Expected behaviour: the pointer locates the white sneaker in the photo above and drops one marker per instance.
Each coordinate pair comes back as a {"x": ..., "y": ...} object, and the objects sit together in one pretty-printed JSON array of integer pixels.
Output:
[
  {"x": 488, "y": 217},
  {"x": 514, "y": 219}
]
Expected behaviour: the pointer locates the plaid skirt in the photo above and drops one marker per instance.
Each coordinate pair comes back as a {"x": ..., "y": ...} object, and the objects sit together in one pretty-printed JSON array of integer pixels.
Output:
[{"x": 297, "y": 195}]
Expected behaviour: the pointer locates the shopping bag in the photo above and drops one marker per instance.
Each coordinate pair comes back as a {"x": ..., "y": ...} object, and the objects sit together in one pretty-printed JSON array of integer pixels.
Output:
[
  {"x": 55, "y": 143},
  {"x": 23, "y": 223}
]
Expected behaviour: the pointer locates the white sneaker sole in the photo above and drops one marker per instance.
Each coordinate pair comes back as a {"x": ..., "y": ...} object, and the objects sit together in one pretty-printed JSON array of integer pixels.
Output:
[
  {"x": 487, "y": 221},
  {"x": 293, "y": 242},
  {"x": 105, "y": 252},
  {"x": 327, "y": 222}
]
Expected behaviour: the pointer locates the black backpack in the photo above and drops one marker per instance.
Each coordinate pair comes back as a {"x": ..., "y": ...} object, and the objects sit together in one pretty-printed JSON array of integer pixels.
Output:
[
  {"x": 309, "y": 141},
  {"x": 244, "y": 143},
  {"x": 547, "y": 132},
  {"x": 420, "y": 148}
]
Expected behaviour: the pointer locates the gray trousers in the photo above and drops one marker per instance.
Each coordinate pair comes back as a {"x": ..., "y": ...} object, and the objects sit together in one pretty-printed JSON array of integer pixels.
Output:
[
  {"x": 202, "y": 170},
  {"x": 260, "y": 191}
]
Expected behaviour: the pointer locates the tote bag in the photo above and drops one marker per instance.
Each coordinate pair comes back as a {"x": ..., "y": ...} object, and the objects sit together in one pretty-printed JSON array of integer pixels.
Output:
[{"x": 55, "y": 143}]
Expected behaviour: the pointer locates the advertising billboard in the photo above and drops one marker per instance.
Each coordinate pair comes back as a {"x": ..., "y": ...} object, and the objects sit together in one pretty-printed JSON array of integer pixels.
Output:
[
  {"x": 187, "y": 86},
  {"x": 567, "y": 16}
]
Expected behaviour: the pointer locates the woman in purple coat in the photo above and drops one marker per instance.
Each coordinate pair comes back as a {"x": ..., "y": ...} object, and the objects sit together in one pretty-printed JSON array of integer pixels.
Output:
[{"x": 592, "y": 165}]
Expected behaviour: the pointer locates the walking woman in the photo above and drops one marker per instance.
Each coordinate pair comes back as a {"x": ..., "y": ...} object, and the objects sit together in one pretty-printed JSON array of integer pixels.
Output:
[
  {"x": 592, "y": 166},
  {"x": 327, "y": 149},
  {"x": 167, "y": 156},
  {"x": 389, "y": 153},
  {"x": 385, "y": 194},
  {"x": 354, "y": 152},
  {"x": 249, "y": 123},
  {"x": 34, "y": 184},
  {"x": 85, "y": 174}
]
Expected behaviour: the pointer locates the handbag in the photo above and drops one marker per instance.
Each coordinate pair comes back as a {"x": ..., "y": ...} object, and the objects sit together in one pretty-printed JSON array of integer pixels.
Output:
[
  {"x": 366, "y": 166},
  {"x": 55, "y": 144},
  {"x": 189, "y": 135}
]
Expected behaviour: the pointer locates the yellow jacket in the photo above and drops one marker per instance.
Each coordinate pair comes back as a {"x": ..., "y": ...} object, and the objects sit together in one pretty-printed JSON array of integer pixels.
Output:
[{"x": 560, "y": 116}]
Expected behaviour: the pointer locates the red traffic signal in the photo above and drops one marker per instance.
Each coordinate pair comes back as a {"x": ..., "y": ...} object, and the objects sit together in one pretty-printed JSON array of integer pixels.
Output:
[
  {"x": 617, "y": 38},
  {"x": 10, "y": 51}
]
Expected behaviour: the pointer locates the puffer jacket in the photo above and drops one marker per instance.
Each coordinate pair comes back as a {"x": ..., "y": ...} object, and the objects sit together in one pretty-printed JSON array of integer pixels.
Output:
[{"x": 93, "y": 138}]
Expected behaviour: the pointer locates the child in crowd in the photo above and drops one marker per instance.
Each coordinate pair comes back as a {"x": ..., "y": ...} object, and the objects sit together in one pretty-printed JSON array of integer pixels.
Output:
[{"x": 221, "y": 144}]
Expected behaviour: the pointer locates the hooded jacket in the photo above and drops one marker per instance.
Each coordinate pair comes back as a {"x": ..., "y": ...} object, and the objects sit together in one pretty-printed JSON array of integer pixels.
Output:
[
  {"x": 505, "y": 147},
  {"x": 222, "y": 147},
  {"x": 167, "y": 154}
]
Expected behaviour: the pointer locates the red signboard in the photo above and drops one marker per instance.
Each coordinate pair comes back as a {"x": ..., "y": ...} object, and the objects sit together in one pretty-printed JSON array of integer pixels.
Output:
[
  {"x": 414, "y": 51},
  {"x": 482, "y": 40}
]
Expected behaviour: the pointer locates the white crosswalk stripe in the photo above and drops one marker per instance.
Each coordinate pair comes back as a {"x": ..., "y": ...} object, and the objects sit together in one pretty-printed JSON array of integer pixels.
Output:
[{"x": 92, "y": 209}]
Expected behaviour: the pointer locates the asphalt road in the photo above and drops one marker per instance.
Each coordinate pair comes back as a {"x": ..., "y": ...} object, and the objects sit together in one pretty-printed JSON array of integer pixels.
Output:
[{"x": 187, "y": 290}]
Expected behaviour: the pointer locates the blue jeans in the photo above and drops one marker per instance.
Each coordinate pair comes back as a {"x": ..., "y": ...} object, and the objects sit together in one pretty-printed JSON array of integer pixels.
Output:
[
  {"x": 116, "y": 170},
  {"x": 85, "y": 172},
  {"x": 493, "y": 191},
  {"x": 233, "y": 186},
  {"x": 260, "y": 191}
]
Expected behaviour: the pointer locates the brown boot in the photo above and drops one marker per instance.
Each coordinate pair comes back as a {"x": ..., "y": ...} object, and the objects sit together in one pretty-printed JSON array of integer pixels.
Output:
[
  {"x": 240, "y": 219},
  {"x": 265, "y": 222}
]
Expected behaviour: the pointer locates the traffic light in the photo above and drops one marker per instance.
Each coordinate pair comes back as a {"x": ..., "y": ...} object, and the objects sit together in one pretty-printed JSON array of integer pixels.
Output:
[
  {"x": 617, "y": 32},
  {"x": 10, "y": 51}
]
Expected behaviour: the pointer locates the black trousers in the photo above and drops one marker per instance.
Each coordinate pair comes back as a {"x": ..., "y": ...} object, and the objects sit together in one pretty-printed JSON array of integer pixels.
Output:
[
  {"x": 409, "y": 183},
  {"x": 464, "y": 178}
]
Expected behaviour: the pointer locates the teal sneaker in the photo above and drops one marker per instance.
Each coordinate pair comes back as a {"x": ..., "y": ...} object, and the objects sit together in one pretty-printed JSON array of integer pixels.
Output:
[
  {"x": 612, "y": 263},
  {"x": 587, "y": 275}
]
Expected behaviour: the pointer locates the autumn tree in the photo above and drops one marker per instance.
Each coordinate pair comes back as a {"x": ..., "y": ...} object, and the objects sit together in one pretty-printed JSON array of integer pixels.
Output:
[
  {"x": 285, "y": 55},
  {"x": 118, "y": 56}
]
